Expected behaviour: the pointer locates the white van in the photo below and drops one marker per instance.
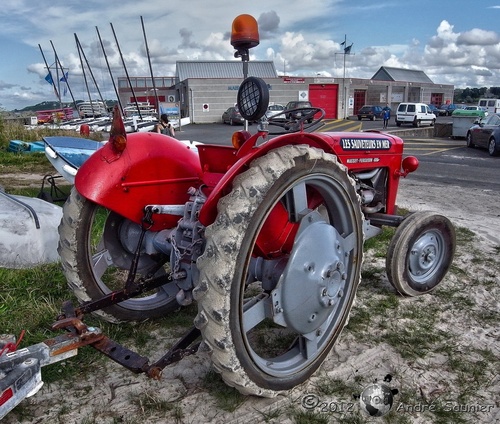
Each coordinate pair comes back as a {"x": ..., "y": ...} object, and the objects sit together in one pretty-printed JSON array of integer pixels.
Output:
[
  {"x": 415, "y": 114},
  {"x": 489, "y": 105}
]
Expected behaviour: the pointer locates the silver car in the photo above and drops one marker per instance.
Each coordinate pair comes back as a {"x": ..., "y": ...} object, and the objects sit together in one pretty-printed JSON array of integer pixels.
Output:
[{"x": 274, "y": 110}]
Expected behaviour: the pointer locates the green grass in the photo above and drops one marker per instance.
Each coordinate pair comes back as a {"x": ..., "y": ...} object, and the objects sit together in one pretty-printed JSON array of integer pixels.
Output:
[{"x": 226, "y": 398}]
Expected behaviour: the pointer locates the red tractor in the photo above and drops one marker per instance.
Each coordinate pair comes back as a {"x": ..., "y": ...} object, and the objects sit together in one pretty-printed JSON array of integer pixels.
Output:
[{"x": 265, "y": 235}]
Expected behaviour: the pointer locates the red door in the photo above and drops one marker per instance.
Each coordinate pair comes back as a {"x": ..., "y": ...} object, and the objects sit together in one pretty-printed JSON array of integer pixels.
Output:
[
  {"x": 437, "y": 99},
  {"x": 359, "y": 100},
  {"x": 325, "y": 96}
]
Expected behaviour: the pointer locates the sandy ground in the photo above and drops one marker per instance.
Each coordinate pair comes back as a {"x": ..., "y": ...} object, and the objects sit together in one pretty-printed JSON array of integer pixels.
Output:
[{"x": 357, "y": 360}]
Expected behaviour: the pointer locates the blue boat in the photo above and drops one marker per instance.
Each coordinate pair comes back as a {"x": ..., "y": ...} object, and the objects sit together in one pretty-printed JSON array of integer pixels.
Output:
[
  {"x": 20, "y": 146},
  {"x": 67, "y": 154}
]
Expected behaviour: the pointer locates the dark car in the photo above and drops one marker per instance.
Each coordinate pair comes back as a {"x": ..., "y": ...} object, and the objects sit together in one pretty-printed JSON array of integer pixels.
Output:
[
  {"x": 442, "y": 110},
  {"x": 486, "y": 133},
  {"x": 370, "y": 112},
  {"x": 297, "y": 104},
  {"x": 434, "y": 110},
  {"x": 448, "y": 109},
  {"x": 452, "y": 108},
  {"x": 232, "y": 116}
]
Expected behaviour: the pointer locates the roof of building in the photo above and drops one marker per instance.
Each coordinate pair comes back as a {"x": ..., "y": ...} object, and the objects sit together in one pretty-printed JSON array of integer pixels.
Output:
[
  {"x": 386, "y": 73},
  {"x": 223, "y": 69}
]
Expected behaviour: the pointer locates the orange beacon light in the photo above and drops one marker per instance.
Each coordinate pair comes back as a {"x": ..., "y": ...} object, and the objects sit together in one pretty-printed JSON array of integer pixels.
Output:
[{"x": 244, "y": 32}]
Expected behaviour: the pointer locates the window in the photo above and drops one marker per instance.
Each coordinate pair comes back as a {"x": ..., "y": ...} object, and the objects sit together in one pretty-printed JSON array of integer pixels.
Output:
[
  {"x": 411, "y": 108},
  {"x": 493, "y": 120}
]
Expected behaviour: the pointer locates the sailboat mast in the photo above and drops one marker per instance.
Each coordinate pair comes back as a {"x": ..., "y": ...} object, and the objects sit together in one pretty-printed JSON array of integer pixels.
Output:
[
  {"x": 151, "y": 70},
  {"x": 126, "y": 73},
  {"x": 109, "y": 70},
  {"x": 64, "y": 76},
  {"x": 51, "y": 78},
  {"x": 90, "y": 69},
  {"x": 84, "y": 75}
]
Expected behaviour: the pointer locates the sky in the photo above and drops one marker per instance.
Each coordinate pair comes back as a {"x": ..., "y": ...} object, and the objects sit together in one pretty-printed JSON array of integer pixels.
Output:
[{"x": 453, "y": 41}]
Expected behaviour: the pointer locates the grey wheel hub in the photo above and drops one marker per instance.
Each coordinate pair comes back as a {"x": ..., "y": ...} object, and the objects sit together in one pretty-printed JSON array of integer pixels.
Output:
[
  {"x": 425, "y": 256},
  {"x": 314, "y": 279}
]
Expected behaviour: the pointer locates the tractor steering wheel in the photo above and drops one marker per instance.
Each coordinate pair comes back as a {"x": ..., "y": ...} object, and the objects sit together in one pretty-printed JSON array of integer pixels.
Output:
[{"x": 294, "y": 120}]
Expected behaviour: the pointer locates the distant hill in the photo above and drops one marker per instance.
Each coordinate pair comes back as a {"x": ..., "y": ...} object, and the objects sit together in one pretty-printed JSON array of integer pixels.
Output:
[{"x": 57, "y": 105}]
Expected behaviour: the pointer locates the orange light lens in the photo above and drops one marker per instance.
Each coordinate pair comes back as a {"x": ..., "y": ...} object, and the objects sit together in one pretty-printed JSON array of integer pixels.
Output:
[
  {"x": 239, "y": 137},
  {"x": 117, "y": 134},
  {"x": 244, "y": 32}
]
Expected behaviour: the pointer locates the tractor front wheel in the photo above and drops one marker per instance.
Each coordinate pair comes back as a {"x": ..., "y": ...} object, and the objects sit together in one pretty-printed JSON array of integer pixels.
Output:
[
  {"x": 280, "y": 270},
  {"x": 420, "y": 253}
]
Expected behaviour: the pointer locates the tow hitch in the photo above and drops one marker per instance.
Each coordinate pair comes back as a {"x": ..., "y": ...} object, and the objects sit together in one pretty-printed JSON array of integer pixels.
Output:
[{"x": 20, "y": 370}]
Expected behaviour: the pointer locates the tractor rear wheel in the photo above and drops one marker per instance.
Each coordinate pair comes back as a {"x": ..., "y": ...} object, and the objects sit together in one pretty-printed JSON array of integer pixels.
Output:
[
  {"x": 96, "y": 254},
  {"x": 420, "y": 253},
  {"x": 268, "y": 328}
]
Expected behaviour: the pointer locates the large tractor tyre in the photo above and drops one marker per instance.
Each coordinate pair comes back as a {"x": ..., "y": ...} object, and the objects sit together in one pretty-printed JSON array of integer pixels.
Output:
[
  {"x": 96, "y": 262},
  {"x": 420, "y": 253},
  {"x": 265, "y": 337}
]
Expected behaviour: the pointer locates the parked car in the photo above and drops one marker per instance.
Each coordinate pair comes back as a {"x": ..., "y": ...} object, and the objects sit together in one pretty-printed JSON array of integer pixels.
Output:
[
  {"x": 274, "y": 110},
  {"x": 434, "y": 109},
  {"x": 479, "y": 108},
  {"x": 297, "y": 104},
  {"x": 370, "y": 112},
  {"x": 415, "y": 114},
  {"x": 486, "y": 133},
  {"x": 442, "y": 110},
  {"x": 232, "y": 116},
  {"x": 448, "y": 109},
  {"x": 452, "y": 108}
]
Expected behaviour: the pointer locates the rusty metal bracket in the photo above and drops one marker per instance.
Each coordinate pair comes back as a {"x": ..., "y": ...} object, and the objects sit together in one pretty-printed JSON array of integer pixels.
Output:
[
  {"x": 140, "y": 364},
  {"x": 120, "y": 295},
  {"x": 122, "y": 355}
]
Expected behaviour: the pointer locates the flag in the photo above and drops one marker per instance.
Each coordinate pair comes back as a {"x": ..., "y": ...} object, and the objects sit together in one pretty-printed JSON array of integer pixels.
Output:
[
  {"x": 347, "y": 50},
  {"x": 64, "y": 78},
  {"x": 343, "y": 42},
  {"x": 49, "y": 79}
]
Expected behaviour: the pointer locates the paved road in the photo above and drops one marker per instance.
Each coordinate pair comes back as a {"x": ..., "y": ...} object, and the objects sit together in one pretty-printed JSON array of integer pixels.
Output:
[
  {"x": 221, "y": 133},
  {"x": 444, "y": 161}
]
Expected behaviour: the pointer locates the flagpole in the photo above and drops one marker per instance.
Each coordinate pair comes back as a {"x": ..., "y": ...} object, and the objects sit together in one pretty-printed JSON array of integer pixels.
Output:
[
  {"x": 343, "y": 81},
  {"x": 347, "y": 50}
]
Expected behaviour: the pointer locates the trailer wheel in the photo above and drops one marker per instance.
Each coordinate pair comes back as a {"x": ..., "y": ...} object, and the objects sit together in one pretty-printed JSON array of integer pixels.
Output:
[
  {"x": 420, "y": 253},
  {"x": 271, "y": 308},
  {"x": 96, "y": 260}
]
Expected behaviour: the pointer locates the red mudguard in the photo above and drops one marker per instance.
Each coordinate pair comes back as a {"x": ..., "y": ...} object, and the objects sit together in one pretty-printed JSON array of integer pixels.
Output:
[{"x": 153, "y": 169}]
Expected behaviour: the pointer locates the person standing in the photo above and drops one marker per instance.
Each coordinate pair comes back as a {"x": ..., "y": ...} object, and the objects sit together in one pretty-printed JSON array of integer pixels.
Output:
[
  {"x": 386, "y": 116},
  {"x": 164, "y": 126}
]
